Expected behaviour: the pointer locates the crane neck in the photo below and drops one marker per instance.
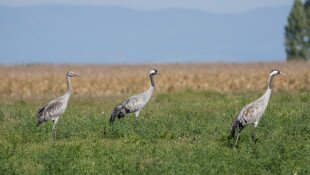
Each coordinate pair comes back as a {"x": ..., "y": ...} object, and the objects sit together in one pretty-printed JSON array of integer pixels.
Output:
[
  {"x": 68, "y": 85},
  {"x": 270, "y": 82},
  {"x": 152, "y": 81},
  {"x": 150, "y": 91}
]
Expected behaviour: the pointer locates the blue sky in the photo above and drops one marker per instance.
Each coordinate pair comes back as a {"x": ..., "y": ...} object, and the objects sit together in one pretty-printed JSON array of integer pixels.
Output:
[
  {"x": 214, "y": 6},
  {"x": 142, "y": 31}
]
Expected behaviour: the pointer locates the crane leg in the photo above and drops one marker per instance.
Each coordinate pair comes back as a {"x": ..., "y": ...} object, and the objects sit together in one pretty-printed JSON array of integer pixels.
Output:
[
  {"x": 136, "y": 118},
  {"x": 254, "y": 134},
  {"x": 54, "y": 128},
  {"x": 236, "y": 142},
  {"x": 237, "y": 139}
]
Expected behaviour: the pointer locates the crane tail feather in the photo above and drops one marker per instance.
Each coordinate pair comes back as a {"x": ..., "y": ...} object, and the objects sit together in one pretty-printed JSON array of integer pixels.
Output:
[
  {"x": 235, "y": 126},
  {"x": 40, "y": 116},
  {"x": 118, "y": 112}
]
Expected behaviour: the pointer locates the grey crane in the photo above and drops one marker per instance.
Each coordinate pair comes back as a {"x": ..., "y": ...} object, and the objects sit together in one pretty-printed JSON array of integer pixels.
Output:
[
  {"x": 135, "y": 103},
  {"x": 57, "y": 107},
  {"x": 252, "y": 113}
]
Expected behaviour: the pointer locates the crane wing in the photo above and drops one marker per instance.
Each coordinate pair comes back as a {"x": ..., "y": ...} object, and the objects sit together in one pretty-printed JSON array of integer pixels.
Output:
[
  {"x": 249, "y": 113},
  {"x": 133, "y": 104},
  {"x": 55, "y": 108}
]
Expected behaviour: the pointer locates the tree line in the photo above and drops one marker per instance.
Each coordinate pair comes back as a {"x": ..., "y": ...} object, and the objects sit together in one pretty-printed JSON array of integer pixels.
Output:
[{"x": 297, "y": 31}]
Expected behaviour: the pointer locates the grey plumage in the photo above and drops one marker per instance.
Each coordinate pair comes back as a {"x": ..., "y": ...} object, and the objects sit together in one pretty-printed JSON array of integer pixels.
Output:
[
  {"x": 135, "y": 103},
  {"x": 252, "y": 113},
  {"x": 55, "y": 108}
]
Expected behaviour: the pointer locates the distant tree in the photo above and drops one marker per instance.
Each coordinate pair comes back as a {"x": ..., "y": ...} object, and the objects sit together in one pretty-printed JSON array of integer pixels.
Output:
[
  {"x": 307, "y": 13},
  {"x": 295, "y": 33}
]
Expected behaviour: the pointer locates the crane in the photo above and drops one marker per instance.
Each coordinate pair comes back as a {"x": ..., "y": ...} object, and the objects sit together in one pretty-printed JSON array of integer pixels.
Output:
[
  {"x": 135, "y": 103},
  {"x": 57, "y": 107},
  {"x": 252, "y": 113}
]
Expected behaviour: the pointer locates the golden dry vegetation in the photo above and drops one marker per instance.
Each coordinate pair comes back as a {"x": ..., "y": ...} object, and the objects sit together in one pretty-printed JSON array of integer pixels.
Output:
[{"x": 36, "y": 81}]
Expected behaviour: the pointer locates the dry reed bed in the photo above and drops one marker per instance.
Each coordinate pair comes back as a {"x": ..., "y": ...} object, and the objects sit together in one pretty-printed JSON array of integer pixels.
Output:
[{"x": 35, "y": 81}]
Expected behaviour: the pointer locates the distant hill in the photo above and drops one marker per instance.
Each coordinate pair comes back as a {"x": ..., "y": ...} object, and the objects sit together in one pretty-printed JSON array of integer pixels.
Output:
[{"x": 89, "y": 34}]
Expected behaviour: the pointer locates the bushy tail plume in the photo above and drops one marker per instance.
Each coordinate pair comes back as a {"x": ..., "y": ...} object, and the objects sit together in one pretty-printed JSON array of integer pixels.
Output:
[
  {"x": 234, "y": 127},
  {"x": 118, "y": 112},
  {"x": 40, "y": 116}
]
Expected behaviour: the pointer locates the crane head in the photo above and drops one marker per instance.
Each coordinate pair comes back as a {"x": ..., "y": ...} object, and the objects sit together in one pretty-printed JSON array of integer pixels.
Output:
[
  {"x": 72, "y": 74},
  {"x": 154, "y": 72},
  {"x": 276, "y": 72}
]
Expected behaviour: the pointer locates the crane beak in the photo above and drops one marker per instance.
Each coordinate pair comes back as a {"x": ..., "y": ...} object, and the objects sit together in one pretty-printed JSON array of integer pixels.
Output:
[
  {"x": 283, "y": 73},
  {"x": 77, "y": 75}
]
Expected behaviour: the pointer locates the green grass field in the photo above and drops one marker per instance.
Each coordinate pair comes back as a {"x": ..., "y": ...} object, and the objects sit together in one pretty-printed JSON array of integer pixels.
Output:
[{"x": 177, "y": 133}]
